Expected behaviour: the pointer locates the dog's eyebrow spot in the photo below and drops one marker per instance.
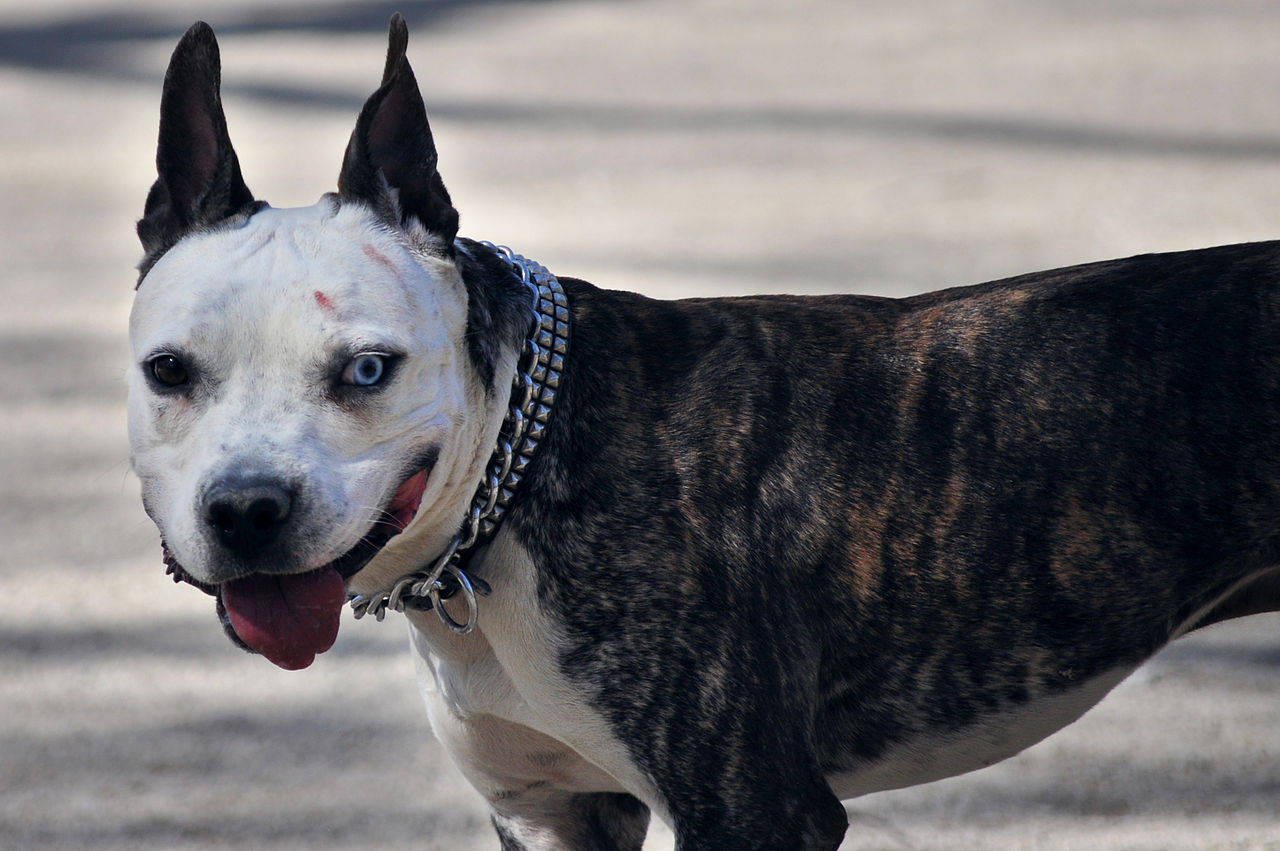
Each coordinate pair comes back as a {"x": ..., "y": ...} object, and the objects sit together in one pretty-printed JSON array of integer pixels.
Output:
[
  {"x": 323, "y": 300},
  {"x": 381, "y": 259}
]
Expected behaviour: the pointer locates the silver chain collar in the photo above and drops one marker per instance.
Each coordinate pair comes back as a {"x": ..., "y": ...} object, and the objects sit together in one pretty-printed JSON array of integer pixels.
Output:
[{"x": 533, "y": 392}]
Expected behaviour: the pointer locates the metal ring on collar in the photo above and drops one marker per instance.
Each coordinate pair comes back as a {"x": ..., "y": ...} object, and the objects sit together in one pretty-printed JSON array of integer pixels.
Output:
[{"x": 469, "y": 595}]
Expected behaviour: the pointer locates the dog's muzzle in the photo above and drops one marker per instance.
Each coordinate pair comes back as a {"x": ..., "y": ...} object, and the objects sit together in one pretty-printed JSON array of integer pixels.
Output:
[{"x": 289, "y": 618}]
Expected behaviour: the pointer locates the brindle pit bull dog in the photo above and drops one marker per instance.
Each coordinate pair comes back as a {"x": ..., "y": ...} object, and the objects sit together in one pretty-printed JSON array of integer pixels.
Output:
[{"x": 743, "y": 557}]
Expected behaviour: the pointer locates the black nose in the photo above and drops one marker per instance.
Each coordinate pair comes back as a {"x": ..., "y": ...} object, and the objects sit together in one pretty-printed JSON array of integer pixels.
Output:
[{"x": 247, "y": 514}]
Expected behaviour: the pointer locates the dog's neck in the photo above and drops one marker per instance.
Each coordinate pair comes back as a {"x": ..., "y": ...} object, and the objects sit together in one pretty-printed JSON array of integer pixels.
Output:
[{"x": 533, "y": 393}]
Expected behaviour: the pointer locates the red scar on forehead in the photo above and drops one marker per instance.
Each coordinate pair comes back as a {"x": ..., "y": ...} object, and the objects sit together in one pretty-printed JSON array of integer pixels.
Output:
[
  {"x": 378, "y": 257},
  {"x": 323, "y": 300}
]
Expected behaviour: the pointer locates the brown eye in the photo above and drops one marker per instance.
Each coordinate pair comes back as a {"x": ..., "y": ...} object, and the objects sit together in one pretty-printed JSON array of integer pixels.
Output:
[{"x": 169, "y": 371}]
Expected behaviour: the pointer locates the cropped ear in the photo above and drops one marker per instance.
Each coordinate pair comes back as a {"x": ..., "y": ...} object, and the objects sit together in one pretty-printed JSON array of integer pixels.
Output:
[
  {"x": 390, "y": 162},
  {"x": 198, "y": 180}
]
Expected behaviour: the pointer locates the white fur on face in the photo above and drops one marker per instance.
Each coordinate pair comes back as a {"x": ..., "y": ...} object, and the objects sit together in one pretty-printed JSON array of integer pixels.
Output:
[{"x": 265, "y": 316}]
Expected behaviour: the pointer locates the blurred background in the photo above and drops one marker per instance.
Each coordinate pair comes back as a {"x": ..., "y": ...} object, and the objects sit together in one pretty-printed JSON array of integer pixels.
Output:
[{"x": 676, "y": 147}]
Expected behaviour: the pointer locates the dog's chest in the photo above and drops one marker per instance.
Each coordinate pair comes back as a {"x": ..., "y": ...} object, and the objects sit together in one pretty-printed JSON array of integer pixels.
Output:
[
  {"x": 503, "y": 744},
  {"x": 500, "y": 704}
]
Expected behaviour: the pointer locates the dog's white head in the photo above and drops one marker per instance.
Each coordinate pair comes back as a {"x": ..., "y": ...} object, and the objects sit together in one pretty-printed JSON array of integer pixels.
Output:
[{"x": 308, "y": 405}]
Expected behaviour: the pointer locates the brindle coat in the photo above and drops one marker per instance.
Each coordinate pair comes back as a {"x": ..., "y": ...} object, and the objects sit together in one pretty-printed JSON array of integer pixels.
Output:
[{"x": 798, "y": 532}]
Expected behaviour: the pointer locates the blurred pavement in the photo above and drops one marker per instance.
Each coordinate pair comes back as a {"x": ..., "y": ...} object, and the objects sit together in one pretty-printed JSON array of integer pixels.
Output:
[{"x": 675, "y": 147}]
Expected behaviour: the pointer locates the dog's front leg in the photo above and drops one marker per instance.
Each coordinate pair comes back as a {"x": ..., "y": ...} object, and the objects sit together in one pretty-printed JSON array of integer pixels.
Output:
[
  {"x": 725, "y": 814},
  {"x": 550, "y": 820},
  {"x": 541, "y": 794},
  {"x": 724, "y": 737}
]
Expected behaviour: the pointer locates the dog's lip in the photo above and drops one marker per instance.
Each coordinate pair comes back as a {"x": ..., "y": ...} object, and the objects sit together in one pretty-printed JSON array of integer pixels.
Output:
[{"x": 394, "y": 519}]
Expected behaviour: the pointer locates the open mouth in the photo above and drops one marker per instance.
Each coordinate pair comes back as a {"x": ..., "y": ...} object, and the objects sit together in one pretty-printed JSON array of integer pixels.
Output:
[
  {"x": 291, "y": 618},
  {"x": 395, "y": 518}
]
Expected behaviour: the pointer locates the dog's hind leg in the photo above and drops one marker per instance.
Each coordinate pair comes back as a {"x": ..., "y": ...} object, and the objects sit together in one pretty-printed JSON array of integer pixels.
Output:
[{"x": 599, "y": 821}]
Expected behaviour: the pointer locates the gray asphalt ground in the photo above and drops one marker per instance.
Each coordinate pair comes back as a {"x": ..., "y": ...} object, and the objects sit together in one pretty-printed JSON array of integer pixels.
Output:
[{"x": 671, "y": 146}]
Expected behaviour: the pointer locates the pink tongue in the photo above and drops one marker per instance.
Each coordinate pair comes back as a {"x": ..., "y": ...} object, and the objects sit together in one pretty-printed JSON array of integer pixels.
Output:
[{"x": 288, "y": 619}]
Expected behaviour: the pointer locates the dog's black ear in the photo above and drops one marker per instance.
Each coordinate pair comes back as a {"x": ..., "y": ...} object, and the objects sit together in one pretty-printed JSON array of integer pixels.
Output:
[
  {"x": 392, "y": 149},
  {"x": 198, "y": 181}
]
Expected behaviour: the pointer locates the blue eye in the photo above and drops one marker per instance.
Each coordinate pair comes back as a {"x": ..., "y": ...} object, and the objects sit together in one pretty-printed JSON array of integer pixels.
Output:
[{"x": 365, "y": 370}]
